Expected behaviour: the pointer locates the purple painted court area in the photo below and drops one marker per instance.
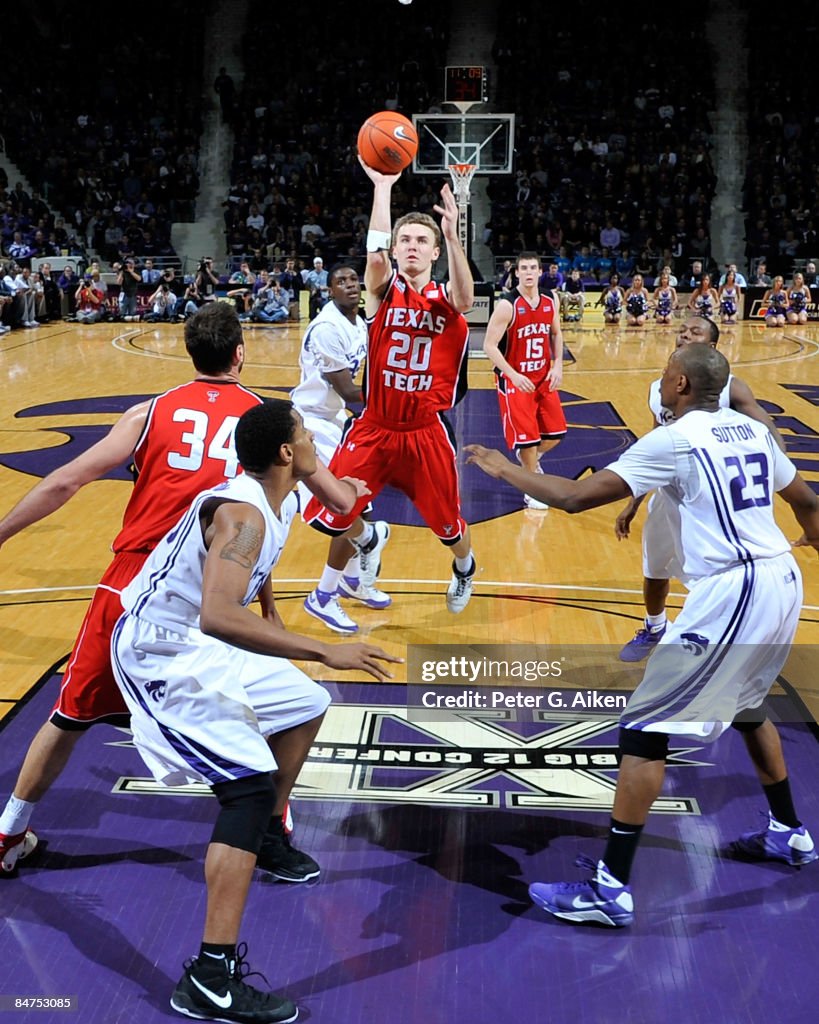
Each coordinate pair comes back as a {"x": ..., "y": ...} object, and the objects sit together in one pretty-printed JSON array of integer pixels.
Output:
[
  {"x": 602, "y": 439},
  {"x": 421, "y": 915}
]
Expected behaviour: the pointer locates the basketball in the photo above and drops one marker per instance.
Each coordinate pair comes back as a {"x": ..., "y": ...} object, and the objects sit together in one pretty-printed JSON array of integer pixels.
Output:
[{"x": 387, "y": 142}]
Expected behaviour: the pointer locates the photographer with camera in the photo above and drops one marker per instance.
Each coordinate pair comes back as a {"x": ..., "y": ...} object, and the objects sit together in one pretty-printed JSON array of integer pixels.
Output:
[
  {"x": 163, "y": 304},
  {"x": 191, "y": 300},
  {"x": 90, "y": 302},
  {"x": 272, "y": 305},
  {"x": 206, "y": 280},
  {"x": 176, "y": 288},
  {"x": 128, "y": 280}
]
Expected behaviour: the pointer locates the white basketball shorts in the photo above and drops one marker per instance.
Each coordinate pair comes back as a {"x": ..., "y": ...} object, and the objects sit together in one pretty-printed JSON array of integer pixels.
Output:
[
  {"x": 723, "y": 652},
  {"x": 200, "y": 708},
  {"x": 662, "y": 550}
]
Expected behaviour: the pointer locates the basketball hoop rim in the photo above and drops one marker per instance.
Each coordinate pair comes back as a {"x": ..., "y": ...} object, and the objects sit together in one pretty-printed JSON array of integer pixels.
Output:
[{"x": 462, "y": 175}]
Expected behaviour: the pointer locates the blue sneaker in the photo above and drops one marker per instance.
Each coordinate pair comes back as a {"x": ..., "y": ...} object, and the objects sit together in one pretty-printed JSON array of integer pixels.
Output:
[
  {"x": 602, "y": 899},
  {"x": 777, "y": 842},
  {"x": 642, "y": 644}
]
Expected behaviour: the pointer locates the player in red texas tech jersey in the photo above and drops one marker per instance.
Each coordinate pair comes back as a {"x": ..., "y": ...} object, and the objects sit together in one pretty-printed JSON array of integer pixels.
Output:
[
  {"x": 181, "y": 443},
  {"x": 188, "y": 429},
  {"x": 416, "y": 362},
  {"x": 173, "y": 440},
  {"x": 418, "y": 341},
  {"x": 525, "y": 344}
]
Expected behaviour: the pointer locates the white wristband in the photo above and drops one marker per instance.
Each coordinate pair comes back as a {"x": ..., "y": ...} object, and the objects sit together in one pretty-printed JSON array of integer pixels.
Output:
[{"x": 378, "y": 240}]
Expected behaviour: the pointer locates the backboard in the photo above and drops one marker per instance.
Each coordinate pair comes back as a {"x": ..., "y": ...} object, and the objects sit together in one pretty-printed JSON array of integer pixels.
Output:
[{"x": 485, "y": 140}]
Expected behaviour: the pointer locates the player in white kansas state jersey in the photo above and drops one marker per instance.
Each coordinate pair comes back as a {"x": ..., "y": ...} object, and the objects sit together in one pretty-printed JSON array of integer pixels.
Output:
[
  {"x": 714, "y": 666},
  {"x": 213, "y": 697},
  {"x": 333, "y": 351},
  {"x": 662, "y": 560}
]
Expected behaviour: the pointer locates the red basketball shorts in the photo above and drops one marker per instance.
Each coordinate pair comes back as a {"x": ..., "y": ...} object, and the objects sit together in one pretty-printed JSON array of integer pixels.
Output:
[
  {"x": 89, "y": 692},
  {"x": 529, "y": 416},
  {"x": 419, "y": 462}
]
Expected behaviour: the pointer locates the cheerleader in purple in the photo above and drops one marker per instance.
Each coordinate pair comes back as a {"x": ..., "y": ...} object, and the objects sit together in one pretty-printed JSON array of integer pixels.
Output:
[
  {"x": 665, "y": 299},
  {"x": 798, "y": 300},
  {"x": 776, "y": 301},
  {"x": 704, "y": 299},
  {"x": 729, "y": 296}
]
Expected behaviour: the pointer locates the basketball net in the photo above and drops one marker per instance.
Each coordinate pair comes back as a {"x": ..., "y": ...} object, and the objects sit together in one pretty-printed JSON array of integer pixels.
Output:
[
  {"x": 461, "y": 180},
  {"x": 462, "y": 175}
]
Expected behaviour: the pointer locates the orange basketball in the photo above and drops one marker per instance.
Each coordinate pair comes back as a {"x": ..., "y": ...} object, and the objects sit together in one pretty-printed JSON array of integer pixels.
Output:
[{"x": 387, "y": 142}]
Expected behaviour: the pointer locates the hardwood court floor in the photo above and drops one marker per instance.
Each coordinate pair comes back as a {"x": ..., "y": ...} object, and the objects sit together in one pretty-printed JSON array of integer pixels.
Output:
[
  {"x": 544, "y": 577},
  {"x": 428, "y": 831}
]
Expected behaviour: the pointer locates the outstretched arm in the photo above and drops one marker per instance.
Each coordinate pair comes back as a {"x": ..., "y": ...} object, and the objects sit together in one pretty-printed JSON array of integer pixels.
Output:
[
  {"x": 234, "y": 538},
  {"x": 339, "y": 495},
  {"x": 600, "y": 488},
  {"x": 53, "y": 491}
]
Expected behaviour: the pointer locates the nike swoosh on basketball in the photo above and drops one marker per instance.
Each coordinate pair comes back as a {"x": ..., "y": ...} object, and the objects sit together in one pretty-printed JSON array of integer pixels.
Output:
[
  {"x": 400, "y": 133},
  {"x": 223, "y": 1002}
]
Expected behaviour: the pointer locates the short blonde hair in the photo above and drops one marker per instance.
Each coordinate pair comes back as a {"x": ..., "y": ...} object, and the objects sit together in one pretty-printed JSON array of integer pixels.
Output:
[{"x": 418, "y": 218}]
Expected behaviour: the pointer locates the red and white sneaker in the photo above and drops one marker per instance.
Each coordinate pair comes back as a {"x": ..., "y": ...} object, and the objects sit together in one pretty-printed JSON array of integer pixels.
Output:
[{"x": 14, "y": 848}]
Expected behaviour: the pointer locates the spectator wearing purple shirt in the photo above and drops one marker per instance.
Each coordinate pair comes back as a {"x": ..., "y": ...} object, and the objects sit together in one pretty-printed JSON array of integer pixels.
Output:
[
  {"x": 551, "y": 280},
  {"x": 610, "y": 237}
]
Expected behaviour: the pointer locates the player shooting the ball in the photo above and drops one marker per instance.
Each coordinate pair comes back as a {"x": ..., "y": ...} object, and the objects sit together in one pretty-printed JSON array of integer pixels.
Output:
[{"x": 416, "y": 370}]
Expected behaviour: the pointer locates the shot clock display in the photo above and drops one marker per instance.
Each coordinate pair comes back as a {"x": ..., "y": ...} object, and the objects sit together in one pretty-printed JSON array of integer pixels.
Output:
[{"x": 465, "y": 84}]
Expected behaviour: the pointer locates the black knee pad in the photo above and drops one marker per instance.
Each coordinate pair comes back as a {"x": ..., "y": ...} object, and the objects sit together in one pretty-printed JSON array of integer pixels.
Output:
[
  {"x": 749, "y": 720},
  {"x": 652, "y": 746},
  {"x": 246, "y": 808}
]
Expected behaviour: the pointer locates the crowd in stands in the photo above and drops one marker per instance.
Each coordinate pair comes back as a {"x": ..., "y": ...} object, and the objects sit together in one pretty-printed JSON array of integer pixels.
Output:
[
  {"x": 613, "y": 169},
  {"x": 296, "y": 187},
  {"x": 780, "y": 196},
  {"x": 104, "y": 125},
  {"x": 613, "y": 165},
  {"x": 144, "y": 292}
]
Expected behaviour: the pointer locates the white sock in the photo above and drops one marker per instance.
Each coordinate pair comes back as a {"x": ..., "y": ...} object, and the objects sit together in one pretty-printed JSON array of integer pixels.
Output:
[
  {"x": 655, "y": 622},
  {"x": 366, "y": 535},
  {"x": 330, "y": 579},
  {"x": 16, "y": 816},
  {"x": 464, "y": 565}
]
